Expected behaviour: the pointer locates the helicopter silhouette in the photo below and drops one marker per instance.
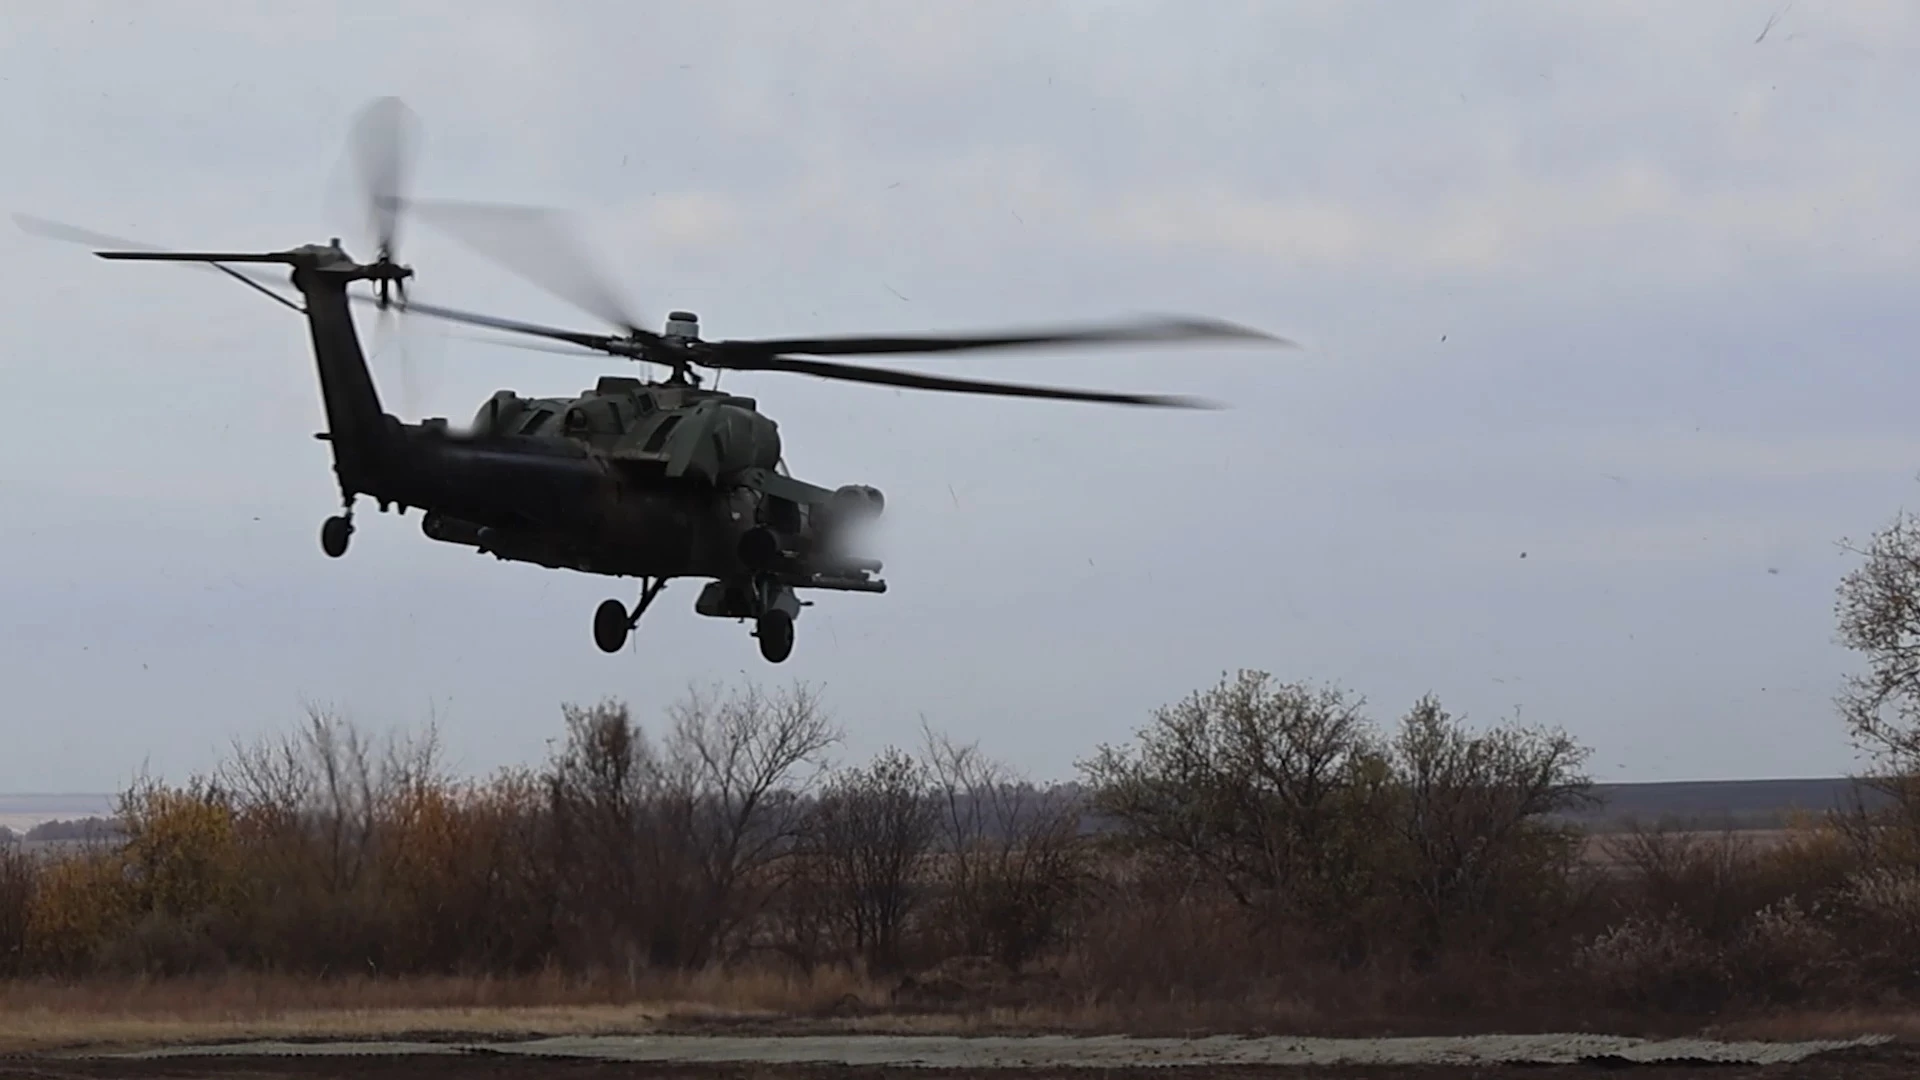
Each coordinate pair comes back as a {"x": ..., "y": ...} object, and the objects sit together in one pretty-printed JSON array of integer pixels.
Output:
[{"x": 643, "y": 478}]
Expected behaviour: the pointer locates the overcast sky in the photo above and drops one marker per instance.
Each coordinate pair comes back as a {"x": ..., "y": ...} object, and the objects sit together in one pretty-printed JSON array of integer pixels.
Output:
[{"x": 1607, "y": 312}]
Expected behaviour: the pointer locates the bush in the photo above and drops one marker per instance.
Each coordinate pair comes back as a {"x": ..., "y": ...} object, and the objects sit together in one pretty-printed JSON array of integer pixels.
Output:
[
  {"x": 1259, "y": 850},
  {"x": 18, "y": 880},
  {"x": 1284, "y": 798}
]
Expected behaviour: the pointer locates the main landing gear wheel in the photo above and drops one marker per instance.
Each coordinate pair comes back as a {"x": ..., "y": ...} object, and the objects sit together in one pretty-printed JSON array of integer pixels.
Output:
[
  {"x": 775, "y": 631},
  {"x": 611, "y": 621},
  {"x": 334, "y": 536},
  {"x": 610, "y": 626}
]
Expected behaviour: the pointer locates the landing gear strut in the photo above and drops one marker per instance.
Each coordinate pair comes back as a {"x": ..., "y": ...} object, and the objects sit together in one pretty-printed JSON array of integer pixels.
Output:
[{"x": 611, "y": 621}]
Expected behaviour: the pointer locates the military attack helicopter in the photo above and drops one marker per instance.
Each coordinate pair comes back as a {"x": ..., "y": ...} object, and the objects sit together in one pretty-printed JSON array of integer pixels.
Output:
[{"x": 643, "y": 478}]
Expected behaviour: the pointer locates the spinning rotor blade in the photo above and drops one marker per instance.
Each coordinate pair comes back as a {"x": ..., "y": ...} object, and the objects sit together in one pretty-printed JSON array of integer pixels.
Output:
[
  {"x": 194, "y": 256},
  {"x": 605, "y": 343},
  {"x": 1148, "y": 330},
  {"x": 829, "y": 369},
  {"x": 531, "y": 346},
  {"x": 54, "y": 230},
  {"x": 383, "y": 144},
  {"x": 540, "y": 246}
]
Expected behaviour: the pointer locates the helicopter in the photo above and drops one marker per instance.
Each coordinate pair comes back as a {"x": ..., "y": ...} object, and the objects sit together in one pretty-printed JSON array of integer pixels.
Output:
[{"x": 655, "y": 479}]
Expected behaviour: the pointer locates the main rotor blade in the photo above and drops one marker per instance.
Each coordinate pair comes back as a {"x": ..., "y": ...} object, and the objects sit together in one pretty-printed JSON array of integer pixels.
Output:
[
  {"x": 828, "y": 369},
  {"x": 532, "y": 346},
  {"x": 384, "y": 142},
  {"x": 1143, "y": 331},
  {"x": 195, "y": 256},
  {"x": 538, "y": 244},
  {"x": 73, "y": 234},
  {"x": 605, "y": 343}
]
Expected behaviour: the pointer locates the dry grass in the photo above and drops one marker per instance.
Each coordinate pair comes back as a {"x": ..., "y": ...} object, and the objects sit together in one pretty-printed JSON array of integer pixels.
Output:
[
  {"x": 1597, "y": 849},
  {"x": 1901, "y": 1024},
  {"x": 38, "y": 1016}
]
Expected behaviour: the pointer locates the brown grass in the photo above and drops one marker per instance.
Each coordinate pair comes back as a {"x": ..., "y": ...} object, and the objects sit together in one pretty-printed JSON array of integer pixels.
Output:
[
  {"x": 1598, "y": 848},
  {"x": 37, "y": 1015},
  {"x": 101, "y": 1014},
  {"x": 1902, "y": 1024}
]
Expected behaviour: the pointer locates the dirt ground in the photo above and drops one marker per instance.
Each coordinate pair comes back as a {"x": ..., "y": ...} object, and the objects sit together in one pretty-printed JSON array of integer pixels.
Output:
[{"x": 1878, "y": 1063}]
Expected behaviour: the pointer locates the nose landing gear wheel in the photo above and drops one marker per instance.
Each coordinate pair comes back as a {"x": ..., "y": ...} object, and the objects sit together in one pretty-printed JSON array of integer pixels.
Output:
[
  {"x": 775, "y": 631},
  {"x": 334, "y": 536},
  {"x": 610, "y": 626}
]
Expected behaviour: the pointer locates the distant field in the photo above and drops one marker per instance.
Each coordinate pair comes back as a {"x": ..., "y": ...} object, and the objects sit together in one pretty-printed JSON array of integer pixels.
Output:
[
  {"x": 1599, "y": 846},
  {"x": 23, "y": 812},
  {"x": 1747, "y": 805}
]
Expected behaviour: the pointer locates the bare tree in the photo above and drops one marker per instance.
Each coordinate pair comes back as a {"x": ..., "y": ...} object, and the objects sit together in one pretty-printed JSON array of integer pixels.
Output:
[
  {"x": 1879, "y": 617},
  {"x": 866, "y": 838},
  {"x": 326, "y": 786},
  {"x": 621, "y": 873},
  {"x": 1011, "y": 863},
  {"x": 1878, "y": 610},
  {"x": 735, "y": 770},
  {"x": 1251, "y": 784}
]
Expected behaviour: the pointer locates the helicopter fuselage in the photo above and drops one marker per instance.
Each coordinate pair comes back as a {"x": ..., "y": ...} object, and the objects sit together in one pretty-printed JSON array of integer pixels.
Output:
[{"x": 627, "y": 479}]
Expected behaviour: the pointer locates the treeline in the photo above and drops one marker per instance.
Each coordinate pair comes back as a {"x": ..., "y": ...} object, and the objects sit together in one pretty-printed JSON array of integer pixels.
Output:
[
  {"x": 72, "y": 830},
  {"x": 1264, "y": 841}
]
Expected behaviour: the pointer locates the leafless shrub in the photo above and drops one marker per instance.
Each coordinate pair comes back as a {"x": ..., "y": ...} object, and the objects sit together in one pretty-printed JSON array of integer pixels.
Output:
[
  {"x": 1657, "y": 963},
  {"x": 1787, "y": 954},
  {"x": 622, "y": 879},
  {"x": 1010, "y": 867},
  {"x": 1263, "y": 789},
  {"x": 737, "y": 792},
  {"x": 1880, "y": 910},
  {"x": 1284, "y": 798},
  {"x": 666, "y": 854},
  {"x": 18, "y": 875},
  {"x": 866, "y": 841}
]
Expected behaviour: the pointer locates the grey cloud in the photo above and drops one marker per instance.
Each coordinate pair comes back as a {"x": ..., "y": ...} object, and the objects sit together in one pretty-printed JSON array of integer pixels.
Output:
[{"x": 1656, "y": 250}]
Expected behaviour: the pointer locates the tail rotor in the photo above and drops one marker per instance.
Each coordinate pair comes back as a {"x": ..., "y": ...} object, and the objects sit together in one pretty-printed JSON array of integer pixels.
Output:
[{"x": 384, "y": 145}]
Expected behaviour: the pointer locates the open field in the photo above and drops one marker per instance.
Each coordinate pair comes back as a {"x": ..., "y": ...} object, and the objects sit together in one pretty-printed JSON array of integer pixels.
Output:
[{"x": 1705, "y": 804}]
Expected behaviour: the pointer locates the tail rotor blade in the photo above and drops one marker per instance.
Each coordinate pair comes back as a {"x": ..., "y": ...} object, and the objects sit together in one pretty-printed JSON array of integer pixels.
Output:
[{"x": 384, "y": 144}]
